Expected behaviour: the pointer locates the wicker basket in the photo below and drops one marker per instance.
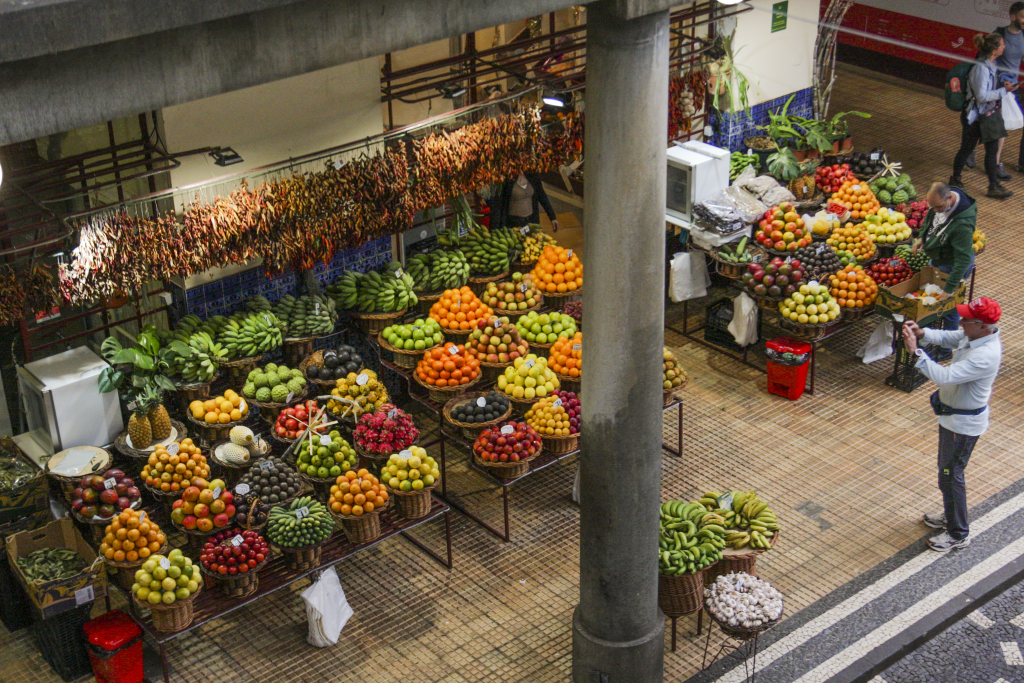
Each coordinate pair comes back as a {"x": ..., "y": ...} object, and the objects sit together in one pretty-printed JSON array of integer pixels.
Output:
[
  {"x": 522, "y": 405},
  {"x": 412, "y": 504},
  {"x": 508, "y": 470},
  {"x": 735, "y": 270},
  {"x": 560, "y": 445},
  {"x": 682, "y": 594},
  {"x": 471, "y": 430},
  {"x": 739, "y": 632},
  {"x": 270, "y": 411},
  {"x": 295, "y": 349},
  {"x": 100, "y": 462},
  {"x": 404, "y": 358},
  {"x": 227, "y": 471},
  {"x": 124, "y": 572},
  {"x": 164, "y": 498},
  {"x": 854, "y": 314},
  {"x": 443, "y": 394},
  {"x": 670, "y": 394},
  {"x": 744, "y": 560},
  {"x": 456, "y": 336},
  {"x": 186, "y": 393},
  {"x": 210, "y": 434},
  {"x": 317, "y": 358},
  {"x": 369, "y": 460},
  {"x": 807, "y": 331},
  {"x": 364, "y": 528},
  {"x": 491, "y": 371},
  {"x": 425, "y": 301},
  {"x": 233, "y": 585},
  {"x": 171, "y": 618},
  {"x": 540, "y": 349},
  {"x": 556, "y": 300},
  {"x": 768, "y": 303},
  {"x": 479, "y": 284},
  {"x": 139, "y": 456},
  {"x": 569, "y": 383},
  {"x": 373, "y": 323},
  {"x": 237, "y": 371},
  {"x": 196, "y": 538},
  {"x": 501, "y": 312}
]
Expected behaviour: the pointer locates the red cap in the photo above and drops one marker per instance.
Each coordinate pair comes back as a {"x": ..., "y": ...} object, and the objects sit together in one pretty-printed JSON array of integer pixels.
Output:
[{"x": 984, "y": 309}]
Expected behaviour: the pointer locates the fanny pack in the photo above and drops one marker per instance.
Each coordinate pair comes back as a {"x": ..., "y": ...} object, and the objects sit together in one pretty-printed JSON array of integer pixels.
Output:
[{"x": 940, "y": 408}]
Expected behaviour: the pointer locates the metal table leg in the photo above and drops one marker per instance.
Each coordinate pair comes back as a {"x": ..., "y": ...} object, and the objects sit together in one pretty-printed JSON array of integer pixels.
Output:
[
  {"x": 163, "y": 662},
  {"x": 673, "y": 633}
]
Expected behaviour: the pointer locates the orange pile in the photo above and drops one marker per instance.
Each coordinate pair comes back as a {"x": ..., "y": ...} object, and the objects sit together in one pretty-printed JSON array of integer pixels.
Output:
[
  {"x": 459, "y": 309},
  {"x": 129, "y": 539},
  {"x": 855, "y": 196},
  {"x": 563, "y": 359},
  {"x": 355, "y": 493},
  {"x": 853, "y": 288},
  {"x": 558, "y": 270},
  {"x": 854, "y": 239},
  {"x": 175, "y": 472},
  {"x": 220, "y": 410},
  {"x": 443, "y": 368}
]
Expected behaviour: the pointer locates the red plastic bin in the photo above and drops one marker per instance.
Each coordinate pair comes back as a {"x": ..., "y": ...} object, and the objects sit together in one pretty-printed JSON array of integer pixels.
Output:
[
  {"x": 787, "y": 376},
  {"x": 115, "y": 648}
]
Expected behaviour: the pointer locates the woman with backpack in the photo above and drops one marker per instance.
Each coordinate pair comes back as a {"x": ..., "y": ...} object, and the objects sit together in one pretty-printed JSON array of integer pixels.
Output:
[{"x": 981, "y": 118}]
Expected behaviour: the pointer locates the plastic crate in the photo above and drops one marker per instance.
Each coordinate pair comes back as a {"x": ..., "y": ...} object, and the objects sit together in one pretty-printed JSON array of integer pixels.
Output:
[
  {"x": 905, "y": 376},
  {"x": 62, "y": 642},
  {"x": 716, "y": 325},
  {"x": 15, "y": 607}
]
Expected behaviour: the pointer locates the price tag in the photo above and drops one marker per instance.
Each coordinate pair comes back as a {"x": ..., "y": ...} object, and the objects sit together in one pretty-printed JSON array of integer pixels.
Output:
[
  {"x": 133, "y": 405},
  {"x": 216, "y": 493},
  {"x": 316, "y": 308},
  {"x": 337, "y": 165},
  {"x": 750, "y": 152},
  {"x": 789, "y": 259},
  {"x": 498, "y": 323},
  {"x": 507, "y": 429},
  {"x": 291, "y": 395},
  {"x": 326, "y": 440},
  {"x": 302, "y": 512},
  {"x": 109, "y": 483},
  {"x": 237, "y": 540},
  {"x": 522, "y": 287},
  {"x": 458, "y": 302},
  {"x": 856, "y": 188},
  {"x": 266, "y": 465},
  {"x": 569, "y": 254},
  {"x": 453, "y": 350},
  {"x": 423, "y": 234},
  {"x": 821, "y": 248},
  {"x": 142, "y": 517},
  {"x": 725, "y": 501},
  {"x": 266, "y": 317},
  {"x": 398, "y": 274},
  {"x": 874, "y": 156},
  {"x": 525, "y": 230},
  {"x": 813, "y": 283},
  {"x": 415, "y": 327},
  {"x": 362, "y": 379},
  {"x": 530, "y": 363},
  {"x": 165, "y": 563},
  {"x": 173, "y": 448},
  {"x": 557, "y": 403},
  {"x": 241, "y": 489},
  {"x": 405, "y": 454},
  {"x": 392, "y": 413},
  {"x": 577, "y": 347},
  {"x": 481, "y": 401},
  {"x": 84, "y": 595},
  {"x": 894, "y": 263}
]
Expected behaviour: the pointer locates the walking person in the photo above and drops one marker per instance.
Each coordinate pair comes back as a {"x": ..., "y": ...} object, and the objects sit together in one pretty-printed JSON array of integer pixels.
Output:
[
  {"x": 981, "y": 118},
  {"x": 1008, "y": 65},
  {"x": 517, "y": 203},
  {"x": 961, "y": 403}
]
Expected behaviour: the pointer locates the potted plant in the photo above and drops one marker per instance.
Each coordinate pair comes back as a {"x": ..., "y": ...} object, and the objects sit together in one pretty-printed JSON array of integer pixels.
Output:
[
  {"x": 838, "y": 132},
  {"x": 816, "y": 136},
  {"x": 726, "y": 82},
  {"x": 786, "y": 132}
]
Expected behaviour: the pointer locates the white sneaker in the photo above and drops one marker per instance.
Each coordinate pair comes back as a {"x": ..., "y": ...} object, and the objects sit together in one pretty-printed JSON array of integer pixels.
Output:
[
  {"x": 943, "y": 543},
  {"x": 936, "y": 520}
]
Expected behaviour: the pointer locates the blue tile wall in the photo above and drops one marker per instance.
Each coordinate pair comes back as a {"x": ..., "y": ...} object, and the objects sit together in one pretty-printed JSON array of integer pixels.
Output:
[
  {"x": 225, "y": 296},
  {"x": 730, "y": 129}
]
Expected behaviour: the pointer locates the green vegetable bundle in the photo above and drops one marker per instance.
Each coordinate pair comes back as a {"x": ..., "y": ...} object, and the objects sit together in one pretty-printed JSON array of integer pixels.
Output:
[
  {"x": 303, "y": 523},
  {"x": 51, "y": 564}
]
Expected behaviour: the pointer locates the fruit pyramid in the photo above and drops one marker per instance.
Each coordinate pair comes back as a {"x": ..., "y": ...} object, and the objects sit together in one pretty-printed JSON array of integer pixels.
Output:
[
  {"x": 852, "y": 287},
  {"x": 272, "y": 383},
  {"x": 357, "y": 493},
  {"x": 166, "y": 579},
  {"x": 221, "y": 409},
  {"x": 558, "y": 270},
  {"x": 887, "y": 227},
  {"x": 853, "y": 241},
  {"x": 674, "y": 375},
  {"x": 528, "y": 377},
  {"x": 410, "y": 470},
  {"x": 459, "y": 309},
  {"x": 566, "y": 355},
  {"x": 857, "y": 197},
  {"x": 368, "y": 392},
  {"x": 915, "y": 261},
  {"x": 549, "y": 417},
  {"x": 812, "y": 304},
  {"x": 131, "y": 536},
  {"x": 175, "y": 471}
]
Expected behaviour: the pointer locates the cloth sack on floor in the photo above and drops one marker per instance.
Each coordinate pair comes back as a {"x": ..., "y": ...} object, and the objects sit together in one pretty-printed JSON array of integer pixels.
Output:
[
  {"x": 743, "y": 325},
  {"x": 327, "y": 610},
  {"x": 1013, "y": 118},
  {"x": 879, "y": 344},
  {"x": 688, "y": 276}
]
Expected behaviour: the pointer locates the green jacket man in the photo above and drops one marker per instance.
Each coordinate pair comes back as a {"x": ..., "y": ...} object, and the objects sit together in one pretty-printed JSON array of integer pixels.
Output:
[{"x": 947, "y": 233}]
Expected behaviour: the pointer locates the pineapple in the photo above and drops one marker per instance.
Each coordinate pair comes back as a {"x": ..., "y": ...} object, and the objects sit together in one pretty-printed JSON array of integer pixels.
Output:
[
  {"x": 139, "y": 428},
  {"x": 159, "y": 420}
]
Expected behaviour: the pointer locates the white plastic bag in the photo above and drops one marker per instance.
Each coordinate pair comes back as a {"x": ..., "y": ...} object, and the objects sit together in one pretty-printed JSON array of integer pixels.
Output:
[
  {"x": 688, "y": 276},
  {"x": 1013, "y": 118},
  {"x": 879, "y": 344},
  {"x": 326, "y": 609},
  {"x": 576, "y": 486},
  {"x": 744, "y": 320}
]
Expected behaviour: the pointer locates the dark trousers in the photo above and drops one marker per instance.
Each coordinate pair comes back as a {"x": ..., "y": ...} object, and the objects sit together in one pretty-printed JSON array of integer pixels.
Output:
[
  {"x": 954, "y": 452},
  {"x": 970, "y": 135}
]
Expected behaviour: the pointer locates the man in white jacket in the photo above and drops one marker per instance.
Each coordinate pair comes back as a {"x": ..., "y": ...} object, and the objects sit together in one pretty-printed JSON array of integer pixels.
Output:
[{"x": 961, "y": 403}]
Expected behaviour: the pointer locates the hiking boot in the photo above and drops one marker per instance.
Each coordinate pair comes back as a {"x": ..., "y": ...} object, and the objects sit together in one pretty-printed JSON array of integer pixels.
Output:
[
  {"x": 970, "y": 163},
  {"x": 936, "y": 520},
  {"x": 954, "y": 181},
  {"x": 943, "y": 543},
  {"x": 1001, "y": 173},
  {"x": 997, "y": 191}
]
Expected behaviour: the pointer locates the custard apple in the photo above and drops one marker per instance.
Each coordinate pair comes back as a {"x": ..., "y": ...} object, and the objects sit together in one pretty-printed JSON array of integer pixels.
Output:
[
  {"x": 282, "y": 371},
  {"x": 254, "y": 374},
  {"x": 884, "y": 197},
  {"x": 297, "y": 374},
  {"x": 260, "y": 380},
  {"x": 270, "y": 367},
  {"x": 263, "y": 394},
  {"x": 249, "y": 390},
  {"x": 891, "y": 184},
  {"x": 295, "y": 386},
  {"x": 900, "y": 197},
  {"x": 279, "y": 393},
  {"x": 272, "y": 379}
]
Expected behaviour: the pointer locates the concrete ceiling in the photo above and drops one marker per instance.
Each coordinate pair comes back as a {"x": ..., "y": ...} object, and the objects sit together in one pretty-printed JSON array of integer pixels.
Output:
[{"x": 65, "y": 64}]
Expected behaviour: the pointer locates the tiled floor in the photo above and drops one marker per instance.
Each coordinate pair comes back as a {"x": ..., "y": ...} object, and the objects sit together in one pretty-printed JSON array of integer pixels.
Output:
[{"x": 848, "y": 471}]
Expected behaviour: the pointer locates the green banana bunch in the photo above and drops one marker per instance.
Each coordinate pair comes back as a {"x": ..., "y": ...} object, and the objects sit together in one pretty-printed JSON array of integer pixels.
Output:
[
  {"x": 490, "y": 252},
  {"x": 307, "y": 315},
  {"x": 438, "y": 270},
  {"x": 250, "y": 334},
  {"x": 747, "y": 519},
  {"x": 258, "y": 304},
  {"x": 690, "y": 538},
  {"x": 198, "y": 360},
  {"x": 373, "y": 292}
]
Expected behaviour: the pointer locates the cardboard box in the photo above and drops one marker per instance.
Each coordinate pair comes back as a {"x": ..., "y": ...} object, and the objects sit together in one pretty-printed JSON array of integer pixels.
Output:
[
  {"x": 29, "y": 498},
  {"x": 33, "y": 521},
  {"x": 892, "y": 300},
  {"x": 54, "y": 597}
]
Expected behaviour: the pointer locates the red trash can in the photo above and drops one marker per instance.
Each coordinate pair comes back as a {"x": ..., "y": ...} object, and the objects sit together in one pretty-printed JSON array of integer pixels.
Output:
[
  {"x": 115, "y": 648},
  {"x": 787, "y": 366}
]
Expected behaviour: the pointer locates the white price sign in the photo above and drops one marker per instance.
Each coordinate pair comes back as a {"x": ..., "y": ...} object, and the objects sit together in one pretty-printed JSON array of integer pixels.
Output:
[
  {"x": 399, "y": 273},
  {"x": 577, "y": 347},
  {"x": 109, "y": 483},
  {"x": 481, "y": 401},
  {"x": 498, "y": 323},
  {"x": 392, "y": 413},
  {"x": 241, "y": 489},
  {"x": 525, "y": 230},
  {"x": 557, "y": 403},
  {"x": 237, "y": 540},
  {"x": 362, "y": 379},
  {"x": 173, "y": 449},
  {"x": 453, "y": 350},
  {"x": 216, "y": 493},
  {"x": 290, "y": 397},
  {"x": 165, "y": 563},
  {"x": 326, "y": 440},
  {"x": 507, "y": 429},
  {"x": 530, "y": 363},
  {"x": 406, "y": 454},
  {"x": 142, "y": 516},
  {"x": 569, "y": 253},
  {"x": 266, "y": 465},
  {"x": 302, "y": 512},
  {"x": 84, "y": 595},
  {"x": 522, "y": 287}
]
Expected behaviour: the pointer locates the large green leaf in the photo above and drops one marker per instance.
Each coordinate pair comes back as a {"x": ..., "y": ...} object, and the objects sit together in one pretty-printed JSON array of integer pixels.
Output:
[
  {"x": 125, "y": 356},
  {"x": 109, "y": 379},
  {"x": 148, "y": 342},
  {"x": 164, "y": 383},
  {"x": 110, "y": 348}
]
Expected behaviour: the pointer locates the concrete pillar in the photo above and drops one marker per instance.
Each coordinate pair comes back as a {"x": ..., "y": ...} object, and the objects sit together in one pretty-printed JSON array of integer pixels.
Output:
[{"x": 618, "y": 630}]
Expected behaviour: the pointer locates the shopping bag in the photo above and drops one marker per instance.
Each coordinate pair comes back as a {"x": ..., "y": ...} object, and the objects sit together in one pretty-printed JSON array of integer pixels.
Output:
[
  {"x": 744, "y": 320},
  {"x": 1013, "y": 118},
  {"x": 327, "y": 610},
  {"x": 688, "y": 276},
  {"x": 576, "y": 486},
  {"x": 879, "y": 344}
]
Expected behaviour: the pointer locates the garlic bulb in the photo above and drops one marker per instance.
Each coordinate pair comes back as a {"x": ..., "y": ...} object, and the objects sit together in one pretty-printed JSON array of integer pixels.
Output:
[{"x": 740, "y": 599}]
